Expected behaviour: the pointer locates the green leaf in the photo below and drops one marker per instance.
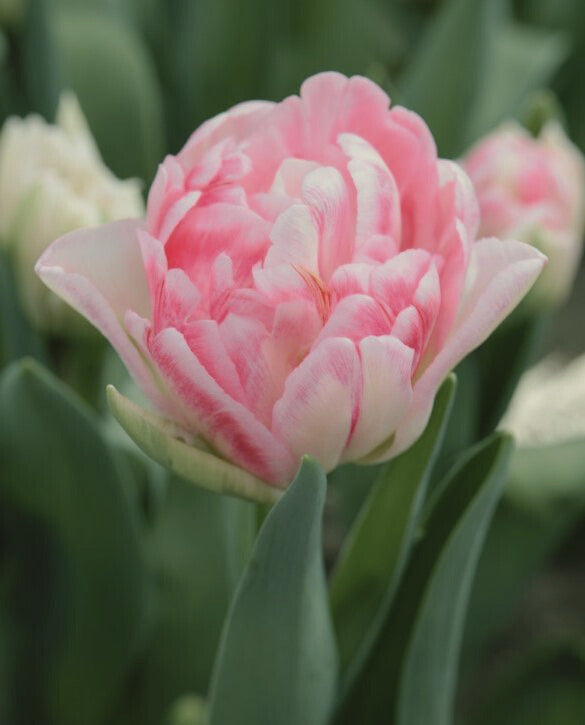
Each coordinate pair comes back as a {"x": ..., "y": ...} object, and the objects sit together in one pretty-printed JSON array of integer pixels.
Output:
[
  {"x": 446, "y": 74},
  {"x": 543, "y": 503},
  {"x": 410, "y": 675},
  {"x": 524, "y": 59},
  {"x": 502, "y": 359},
  {"x": 277, "y": 661},
  {"x": 40, "y": 63},
  {"x": 157, "y": 438},
  {"x": 17, "y": 338},
  {"x": 376, "y": 550},
  {"x": 197, "y": 548},
  {"x": 72, "y": 575},
  {"x": 542, "y": 687},
  {"x": 107, "y": 65}
]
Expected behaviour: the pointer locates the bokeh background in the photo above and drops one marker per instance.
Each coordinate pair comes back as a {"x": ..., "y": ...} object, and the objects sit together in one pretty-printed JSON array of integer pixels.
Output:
[{"x": 148, "y": 72}]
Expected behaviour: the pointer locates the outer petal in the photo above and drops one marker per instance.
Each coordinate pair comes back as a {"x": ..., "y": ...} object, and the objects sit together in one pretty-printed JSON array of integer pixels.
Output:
[
  {"x": 100, "y": 273},
  {"x": 500, "y": 274},
  {"x": 226, "y": 425},
  {"x": 237, "y": 122},
  {"x": 316, "y": 411},
  {"x": 386, "y": 394}
]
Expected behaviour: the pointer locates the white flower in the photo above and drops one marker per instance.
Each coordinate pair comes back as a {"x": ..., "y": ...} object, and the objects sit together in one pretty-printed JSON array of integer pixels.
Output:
[
  {"x": 549, "y": 404},
  {"x": 52, "y": 181}
]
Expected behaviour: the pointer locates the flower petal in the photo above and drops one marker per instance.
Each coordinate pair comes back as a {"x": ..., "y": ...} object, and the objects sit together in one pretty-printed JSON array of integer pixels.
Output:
[
  {"x": 325, "y": 191},
  {"x": 387, "y": 366},
  {"x": 500, "y": 274},
  {"x": 315, "y": 414},
  {"x": 100, "y": 273},
  {"x": 226, "y": 425}
]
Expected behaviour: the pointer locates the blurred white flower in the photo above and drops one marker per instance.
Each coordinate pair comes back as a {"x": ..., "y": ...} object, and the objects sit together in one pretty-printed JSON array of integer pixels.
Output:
[
  {"x": 52, "y": 181},
  {"x": 548, "y": 406}
]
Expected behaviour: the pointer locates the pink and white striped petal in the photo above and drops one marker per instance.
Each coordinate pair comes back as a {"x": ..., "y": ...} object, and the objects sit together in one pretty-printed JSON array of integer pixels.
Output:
[
  {"x": 99, "y": 272},
  {"x": 325, "y": 192},
  {"x": 226, "y": 425},
  {"x": 500, "y": 274},
  {"x": 386, "y": 368},
  {"x": 316, "y": 412}
]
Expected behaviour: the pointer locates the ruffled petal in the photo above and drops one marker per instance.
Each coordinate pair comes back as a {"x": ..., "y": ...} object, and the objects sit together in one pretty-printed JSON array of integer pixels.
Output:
[
  {"x": 386, "y": 366},
  {"x": 226, "y": 425},
  {"x": 316, "y": 411},
  {"x": 99, "y": 272},
  {"x": 500, "y": 274}
]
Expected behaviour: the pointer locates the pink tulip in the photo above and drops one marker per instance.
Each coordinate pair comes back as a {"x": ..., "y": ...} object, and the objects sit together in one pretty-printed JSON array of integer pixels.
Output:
[
  {"x": 306, "y": 277},
  {"x": 533, "y": 189}
]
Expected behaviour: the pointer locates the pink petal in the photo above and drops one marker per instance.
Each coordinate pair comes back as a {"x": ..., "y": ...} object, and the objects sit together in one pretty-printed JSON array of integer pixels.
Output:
[
  {"x": 207, "y": 231},
  {"x": 395, "y": 282},
  {"x": 237, "y": 122},
  {"x": 387, "y": 366},
  {"x": 228, "y": 426},
  {"x": 325, "y": 192},
  {"x": 334, "y": 104},
  {"x": 289, "y": 177},
  {"x": 355, "y": 317},
  {"x": 315, "y": 413},
  {"x": 99, "y": 272},
  {"x": 378, "y": 203},
  {"x": 350, "y": 279},
  {"x": 295, "y": 240},
  {"x": 500, "y": 274}
]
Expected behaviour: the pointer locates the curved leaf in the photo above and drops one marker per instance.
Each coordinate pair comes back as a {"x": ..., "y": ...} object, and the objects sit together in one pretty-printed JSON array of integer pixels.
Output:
[
  {"x": 75, "y": 581},
  {"x": 277, "y": 662},
  {"x": 410, "y": 675},
  {"x": 376, "y": 550}
]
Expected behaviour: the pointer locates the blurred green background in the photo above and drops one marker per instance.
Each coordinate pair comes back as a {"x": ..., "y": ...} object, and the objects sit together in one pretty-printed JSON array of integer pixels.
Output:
[{"x": 148, "y": 72}]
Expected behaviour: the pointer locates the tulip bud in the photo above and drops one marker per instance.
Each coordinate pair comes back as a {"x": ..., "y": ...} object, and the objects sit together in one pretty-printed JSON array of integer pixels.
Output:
[
  {"x": 52, "y": 181},
  {"x": 533, "y": 190}
]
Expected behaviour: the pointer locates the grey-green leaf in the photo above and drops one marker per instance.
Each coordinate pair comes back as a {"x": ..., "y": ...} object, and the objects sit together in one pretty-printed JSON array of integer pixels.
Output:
[
  {"x": 72, "y": 569},
  {"x": 410, "y": 676},
  {"x": 277, "y": 662},
  {"x": 524, "y": 59},
  {"x": 197, "y": 547},
  {"x": 445, "y": 75},
  {"x": 377, "y": 548}
]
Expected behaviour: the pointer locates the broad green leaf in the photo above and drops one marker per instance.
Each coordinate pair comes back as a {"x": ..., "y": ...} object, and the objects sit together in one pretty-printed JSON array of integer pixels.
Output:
[
  {"x": 41, "y": 72},
  {"x": 543, "y": 502},
  {"x": 376, "y": 550},
  {"x": 502, "y": 359},
  {"x": 447, "y": 70},
  {"x": 158, "y": 438},
  {"x": 17, "y": 339},
  {"x": 524, "y": 59},
  {"x": 277, "y": 661},
  {"x": 73, "y": 575},
  {"x": 106, "y": 64},
  {"x": 542, "y": 687},
  {"x": 409, "y": 677},
  {"x": 197, "y": 548}
]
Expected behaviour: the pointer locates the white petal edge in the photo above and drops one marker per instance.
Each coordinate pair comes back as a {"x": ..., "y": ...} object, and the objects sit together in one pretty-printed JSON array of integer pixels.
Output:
[
  {"x": 100, "y": 273},
  {"x": 500, "y": 274}
]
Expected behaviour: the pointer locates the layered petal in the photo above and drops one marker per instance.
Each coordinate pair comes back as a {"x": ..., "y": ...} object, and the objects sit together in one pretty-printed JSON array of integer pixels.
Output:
[
  {"x": 500, "y": 274},
  {"x": 99, "y": 272},
  {"x": 316, "y": 412}
]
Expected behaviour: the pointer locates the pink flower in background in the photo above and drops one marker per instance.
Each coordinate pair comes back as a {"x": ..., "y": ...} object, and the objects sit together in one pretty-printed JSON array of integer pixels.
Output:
[
  {"x": 305, "y": 278},
  {"x": 533, "y": 189}
]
